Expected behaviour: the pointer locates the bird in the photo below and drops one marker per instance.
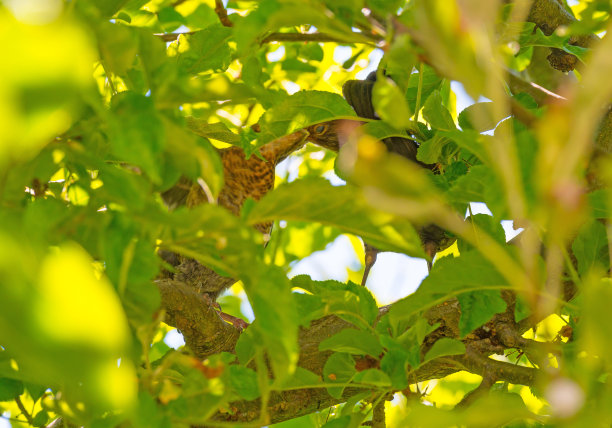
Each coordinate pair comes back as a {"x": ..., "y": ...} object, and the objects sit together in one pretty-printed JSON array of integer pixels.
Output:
[
  {"x": 245, "y": 177},
  {"x": 358, "y": 93}
]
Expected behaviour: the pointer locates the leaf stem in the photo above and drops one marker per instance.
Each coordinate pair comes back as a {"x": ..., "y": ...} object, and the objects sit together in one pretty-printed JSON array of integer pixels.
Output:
[{"x": 417, "y": 106}]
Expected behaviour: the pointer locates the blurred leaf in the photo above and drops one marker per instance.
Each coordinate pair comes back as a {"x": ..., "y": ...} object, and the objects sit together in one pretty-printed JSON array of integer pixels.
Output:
[
  {"x": 137, "y": 132},
  {"x": 479, "y": 117},
  {"x": 10, "y": 389},
  {"x": 591, "y": 247},
  {"x": 487, "y": 224},
  {"x": 44, "y": 78},
  {"x": 599, "y": 202},
  {"x": 390, "y": 103},
  {"x": 445, "y": 346},
  {"x": 354, "y": 342},
  {"x": 244, "y": 382},
  {"x": 380, "y": 130},
  {"x": 208, "y": 50},
  {"x": 340, "y": 206},
  {"x": 218, "y": 131}
]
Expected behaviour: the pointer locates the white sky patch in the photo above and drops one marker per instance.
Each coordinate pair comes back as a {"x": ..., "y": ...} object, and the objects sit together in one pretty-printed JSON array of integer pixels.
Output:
[
  {"x": 334, "y": 179},
  {"x": 373, "y": 60},
  {"x": 330, "y": 263},
  {"x": 394, "y": 276},
  {"x": 290, "y": 87},
  {"x": 342, "y": 53},
  {"x": 174, "y": 339},
  {"x": 234, "y": 119},
  {"x": 276, "y": 55}
]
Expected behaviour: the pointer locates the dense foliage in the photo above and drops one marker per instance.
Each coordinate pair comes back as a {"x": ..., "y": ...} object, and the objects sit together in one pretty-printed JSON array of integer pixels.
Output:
[{"x": 105, "y": 105}]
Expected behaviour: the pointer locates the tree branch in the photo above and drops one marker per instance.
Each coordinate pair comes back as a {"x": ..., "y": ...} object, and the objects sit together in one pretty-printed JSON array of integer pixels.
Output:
[
  {"x": 548, "y": 15},
  {"x": 222, "y": 14},
  {"x": 317, "y": 37},
  {"x": 203, "y": 329}
]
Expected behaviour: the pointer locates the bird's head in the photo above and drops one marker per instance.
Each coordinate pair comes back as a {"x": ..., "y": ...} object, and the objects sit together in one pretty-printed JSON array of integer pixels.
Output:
[{"x": 324, "y": 134}]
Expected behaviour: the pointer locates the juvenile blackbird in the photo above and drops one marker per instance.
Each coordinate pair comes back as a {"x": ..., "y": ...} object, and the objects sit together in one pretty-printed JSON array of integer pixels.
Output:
[
  {"x": 358, "y": 93},
  {"x": 244, "y": 178}
]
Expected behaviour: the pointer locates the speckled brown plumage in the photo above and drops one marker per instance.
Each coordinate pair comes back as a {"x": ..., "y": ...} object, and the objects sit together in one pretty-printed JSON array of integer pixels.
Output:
[{"x": 243, "y": 179}]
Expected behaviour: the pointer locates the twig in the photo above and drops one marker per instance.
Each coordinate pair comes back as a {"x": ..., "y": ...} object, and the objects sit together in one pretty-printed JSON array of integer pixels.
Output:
[
  {"x": 222, "y": 14},
  {"x": 25, "y": 413},
  {"x": 315, "y": 37}
]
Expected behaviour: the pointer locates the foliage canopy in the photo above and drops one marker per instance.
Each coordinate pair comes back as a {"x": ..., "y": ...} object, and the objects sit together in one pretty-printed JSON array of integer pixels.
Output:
[{"x": 105, "y": 105}]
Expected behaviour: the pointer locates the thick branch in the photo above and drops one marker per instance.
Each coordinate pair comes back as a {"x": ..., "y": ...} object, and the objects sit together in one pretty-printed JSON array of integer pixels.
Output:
[
  {"x": 548, "y": 15},
  {"x": 203, "y": 329}
]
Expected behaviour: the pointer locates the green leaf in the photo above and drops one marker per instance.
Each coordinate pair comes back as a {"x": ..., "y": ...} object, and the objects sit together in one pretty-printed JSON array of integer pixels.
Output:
[
  {"x": 390, "y": 103},
  {"x": 244, "y": 381},
  {"x": 10, "y": 389},
  {"x": 445, "y": 346},
  {"x": 340, "y": 368},
  {"x": 373, "y": 377},
  {"x": 340, "y": 206},
  {"x": 479, "y": 117},
  {"x": 300, "y": 110},
  {"x": 41, "y": 419},
  {"x": 431, "y": 82},
  {"x": 350, "y": 302},
  {"x": 302, "y": 378},
  {"x": 450, "y": 276},
  {"x": 353, "y": 342},
  {"x": 118, "y": 46},
  {"x": 137, "y": 133},
  {"x": 470, "y": 141},
  {"x": 437, "y": 114},
  {"x": 380, "y": 130},
  {"x": 217, "y": 131},
  {"x": 599, "y": 200},
  {"x": 208, "y": 50},
  {"x": 276, "y": 321},
  {"x": 471, "y": 187},
  {"x": 430, "y": 151},
  {"x": 591, "y": 247},
  {"x": 393, "y": 363},
  {"x": 477, "y": 308},
  {"x": 488, "y": 224}
]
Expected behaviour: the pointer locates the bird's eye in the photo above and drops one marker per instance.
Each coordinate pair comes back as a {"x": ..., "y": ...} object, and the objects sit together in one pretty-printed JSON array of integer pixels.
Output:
[{"x": 320, "y": 129}]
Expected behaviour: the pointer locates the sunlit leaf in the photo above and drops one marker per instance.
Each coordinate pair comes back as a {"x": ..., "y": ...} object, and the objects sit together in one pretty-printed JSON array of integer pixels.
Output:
[
  {"x": 340, "y": 206},
  {"x": 301, "y": 110},
  {"x": 443, "y": 347}
]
